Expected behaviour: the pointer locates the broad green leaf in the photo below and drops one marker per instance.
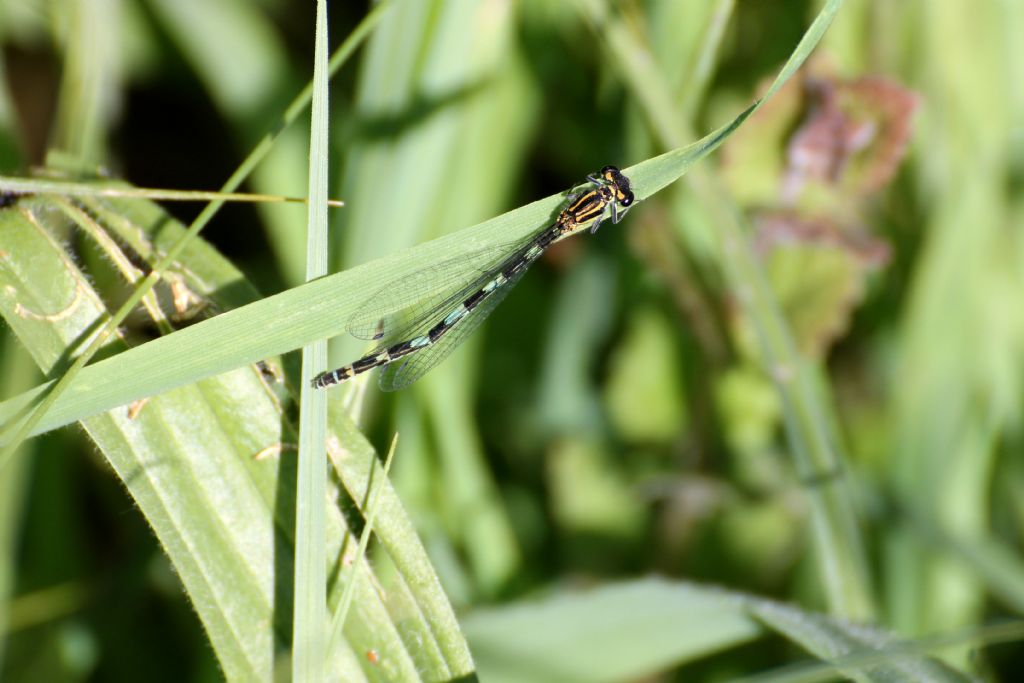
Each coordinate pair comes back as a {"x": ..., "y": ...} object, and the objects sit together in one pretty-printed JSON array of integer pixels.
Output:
[
  {"x": 617, "y": 632},
  {"x": 833, "y": 639},
  {"x": 211, "y": 465},
  {"x": 636, "y": 629}
]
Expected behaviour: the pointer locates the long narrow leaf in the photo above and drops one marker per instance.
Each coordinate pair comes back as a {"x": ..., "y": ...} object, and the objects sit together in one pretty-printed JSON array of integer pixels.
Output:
[
  {"x": 568, "y": 637},
  {"x": 310, "y": 641},
  {"x": 212, "y": 467}
]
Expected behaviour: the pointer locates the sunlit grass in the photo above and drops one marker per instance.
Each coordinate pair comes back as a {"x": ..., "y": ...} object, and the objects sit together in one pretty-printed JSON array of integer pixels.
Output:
[{"x": 794, "y": 411}]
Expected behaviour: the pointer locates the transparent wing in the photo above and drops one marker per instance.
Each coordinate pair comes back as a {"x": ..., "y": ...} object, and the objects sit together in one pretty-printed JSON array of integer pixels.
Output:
[
  {"x": 393, "y": 310},
  {"x": 402, "y": 373}
]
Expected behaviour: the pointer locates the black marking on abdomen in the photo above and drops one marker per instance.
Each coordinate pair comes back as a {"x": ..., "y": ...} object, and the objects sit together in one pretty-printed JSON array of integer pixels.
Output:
[
  {"x": 547, "y": 238},
  {"x": 513, "y": 269},
  {"x": 326, "y": 379},
  {"x": 399, "y": 350},
  {"x": 437, "y": 331},
  {"x": 471, "y": 303},
  {"x": 367, "y": 363}
]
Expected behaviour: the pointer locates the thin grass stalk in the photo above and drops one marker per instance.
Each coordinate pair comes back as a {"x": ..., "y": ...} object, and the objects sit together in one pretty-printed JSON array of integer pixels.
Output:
[
  {"x": 85, "y": 92},
  {"x": 373, "y": 499},
  {"x": 309, "y": 644}
]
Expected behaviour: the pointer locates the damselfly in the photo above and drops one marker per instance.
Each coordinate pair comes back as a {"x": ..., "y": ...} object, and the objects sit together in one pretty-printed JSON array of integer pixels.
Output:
[{"x": 423, "y": 317}]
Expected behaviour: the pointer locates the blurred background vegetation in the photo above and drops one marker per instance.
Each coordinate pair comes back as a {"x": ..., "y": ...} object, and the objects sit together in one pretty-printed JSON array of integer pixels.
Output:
[{"x": 620, "y": 415}]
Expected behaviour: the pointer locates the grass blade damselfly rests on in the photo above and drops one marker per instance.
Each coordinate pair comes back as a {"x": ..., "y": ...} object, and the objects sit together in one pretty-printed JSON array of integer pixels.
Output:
[{"x": 421, "y": 318}]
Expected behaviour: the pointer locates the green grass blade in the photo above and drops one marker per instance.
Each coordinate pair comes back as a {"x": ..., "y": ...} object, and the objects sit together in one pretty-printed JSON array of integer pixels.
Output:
[
  {"x": 216, "y": 37},
  {"x": 11, "y": 142},
  {"x": 372, "y": 505},
  {"x": 417, "y": 601},
  {"x": 90, "y": 68},
  {"x": 116, "y": 189},
  {"x": 955, "y": 404},
  {"x": 899, "y": 652},
  {"x": 17, "y": 374},
  {"x": 693, "y": 89},
  {"x": 310, "y": 628},
  {"x": 845, "y": 645}
]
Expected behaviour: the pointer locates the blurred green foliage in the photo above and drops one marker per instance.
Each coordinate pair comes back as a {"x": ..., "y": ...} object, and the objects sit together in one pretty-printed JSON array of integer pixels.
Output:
[{"x": 621, "y": 414}]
